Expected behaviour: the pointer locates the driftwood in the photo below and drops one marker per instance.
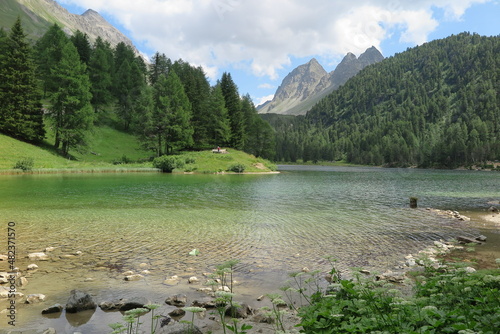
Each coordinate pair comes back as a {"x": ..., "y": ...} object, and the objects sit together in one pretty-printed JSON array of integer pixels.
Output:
[{"x": 466, "y": 240}]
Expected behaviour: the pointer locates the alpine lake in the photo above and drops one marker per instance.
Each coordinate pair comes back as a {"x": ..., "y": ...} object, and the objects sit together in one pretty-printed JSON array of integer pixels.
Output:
[{"x": 102, "y": 225}]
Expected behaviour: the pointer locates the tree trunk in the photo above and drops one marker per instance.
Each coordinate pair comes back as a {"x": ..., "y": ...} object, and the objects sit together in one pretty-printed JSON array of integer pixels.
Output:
[
  {"x": 58, "y": 139},
  {"x": 65, "y": 148}
]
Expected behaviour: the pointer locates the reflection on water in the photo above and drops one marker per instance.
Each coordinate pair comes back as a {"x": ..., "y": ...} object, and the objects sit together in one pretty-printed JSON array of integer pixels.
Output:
[{"x": 273, "y": 223}]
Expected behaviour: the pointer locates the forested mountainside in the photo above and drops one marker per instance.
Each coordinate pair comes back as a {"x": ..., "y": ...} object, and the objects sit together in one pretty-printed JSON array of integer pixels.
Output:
[
  {"x": 433, "y": 105},
  {"x": 169, "y": 105}
]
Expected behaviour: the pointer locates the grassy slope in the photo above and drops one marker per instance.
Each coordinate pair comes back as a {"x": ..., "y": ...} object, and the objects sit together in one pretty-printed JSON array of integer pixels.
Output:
[
  {"x": 33, "y": 25},
  {"x": 109, "y": 145},
  {"x": 208, "y": 162}
]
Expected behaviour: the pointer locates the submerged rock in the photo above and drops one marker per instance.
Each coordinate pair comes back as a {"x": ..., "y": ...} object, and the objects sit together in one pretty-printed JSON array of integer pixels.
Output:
[
  {"x": 177, "y": 300},
  {"x": 123, "y": 304},
  {"x": 40, "y": 256},
  {"x": 241, "y": 312},
  {"x": 136, "y": 277},
  {"x": 53, "y": 309},
  {"x": 80, "y": 301},
  {"x": 35, "y": 298},
  {"x": 177, "y": 313},
  {"x": 178, "y": 328}
]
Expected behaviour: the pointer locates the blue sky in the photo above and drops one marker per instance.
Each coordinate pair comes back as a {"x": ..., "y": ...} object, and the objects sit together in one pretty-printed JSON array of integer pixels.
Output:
[{"x": 260, "y": 41}]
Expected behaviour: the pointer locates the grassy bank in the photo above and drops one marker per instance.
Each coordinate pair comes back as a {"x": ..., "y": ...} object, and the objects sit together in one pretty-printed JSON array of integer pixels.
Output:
[{"x": 110, "y": 150}]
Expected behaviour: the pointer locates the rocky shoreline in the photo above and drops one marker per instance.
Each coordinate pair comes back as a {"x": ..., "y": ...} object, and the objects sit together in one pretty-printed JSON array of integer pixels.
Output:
[{"x": 79, "y": 301}]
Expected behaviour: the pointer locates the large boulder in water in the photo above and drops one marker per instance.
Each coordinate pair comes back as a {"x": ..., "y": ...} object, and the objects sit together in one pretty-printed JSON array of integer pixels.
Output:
[{"x": 79, "y": 301}]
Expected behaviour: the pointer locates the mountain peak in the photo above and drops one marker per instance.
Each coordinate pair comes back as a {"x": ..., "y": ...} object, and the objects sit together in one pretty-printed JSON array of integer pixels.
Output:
[
  {"x": 371, "y": 56},
  {"x": 309, "y": 82},
  {"x": 89, "y": 12}
]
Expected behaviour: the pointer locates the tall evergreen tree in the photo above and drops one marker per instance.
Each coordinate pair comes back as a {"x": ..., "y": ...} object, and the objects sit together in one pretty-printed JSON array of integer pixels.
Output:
[
  {"x": 160, "y": 65},
  {"x": 259, "y": 135},
  {"x": 48, "y": 49},
  {"x": 21, "y": 113},
  {"x": 71, "y": 111},
  {"x": 168, "y": 126},
  {"x": 197, "y": 89},
  {"x": 219, "y": 127},
  {"x": 233, "y": 105},
  {"x": 179, "y": 131},
  {"x": 100, "y": 74},
  {"x": 81, "y": 41}
]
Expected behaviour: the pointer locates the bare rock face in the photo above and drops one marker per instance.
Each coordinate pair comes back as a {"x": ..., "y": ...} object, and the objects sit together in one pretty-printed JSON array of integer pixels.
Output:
[
  {"x": 90, "y": 22},
  {"x": 308, "y": 83}
]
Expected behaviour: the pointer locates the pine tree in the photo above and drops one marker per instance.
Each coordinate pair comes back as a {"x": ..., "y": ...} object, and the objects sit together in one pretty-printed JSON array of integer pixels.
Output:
[
  {"x": 48, "y": 54},
  {"x": 259, "y": 135},
  {"x": 100, "y": 67},
  {"x": 160, "y": 65},
  {"x": 179, "y": 131},
  {"x": 219, "y": 127},
  {"x": 233, "y": 105},
  {"x": 197, "y": 89},
  {"x": 81, "y": 41},
  {"x": 71, "y": 111},
  {"x": 21, "y": 113}
]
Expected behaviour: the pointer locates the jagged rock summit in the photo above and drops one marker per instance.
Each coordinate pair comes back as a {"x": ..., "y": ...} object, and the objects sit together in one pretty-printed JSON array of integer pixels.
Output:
[
  {"x": 308, "y": 83},
  {"x": 90, "y": 22}
]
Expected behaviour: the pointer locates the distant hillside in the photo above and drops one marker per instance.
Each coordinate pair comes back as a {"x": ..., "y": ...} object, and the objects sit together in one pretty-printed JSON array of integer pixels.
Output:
[
  {"x": 38, "y": 15},
  {"x": 309, "y": 83},
  {"x": 437, "y": 104}
]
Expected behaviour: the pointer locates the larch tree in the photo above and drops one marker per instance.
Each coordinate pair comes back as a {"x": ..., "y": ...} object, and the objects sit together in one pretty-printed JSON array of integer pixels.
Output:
[
  {"x": 21, "y": 113},
  {"x": 71, "y": 111},
  {"x": 81, "y": 41},
  {"x": 100, "y": 74},
  {"x": 233, "y": 106},
  {"x": 179, "y": 131},
  {"x": 219, "y": 127},
  {"x": 48, "y": 49}
]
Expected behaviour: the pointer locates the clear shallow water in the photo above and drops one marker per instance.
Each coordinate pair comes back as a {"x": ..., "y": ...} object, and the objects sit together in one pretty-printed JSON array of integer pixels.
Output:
[{"x": 274, "y": 224}]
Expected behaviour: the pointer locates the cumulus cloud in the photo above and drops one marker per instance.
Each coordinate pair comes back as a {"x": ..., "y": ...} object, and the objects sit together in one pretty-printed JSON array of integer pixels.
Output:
[{"x": 262, "y": 36}]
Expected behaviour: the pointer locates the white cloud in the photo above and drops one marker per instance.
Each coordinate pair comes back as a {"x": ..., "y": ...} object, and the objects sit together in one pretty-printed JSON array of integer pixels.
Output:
[
  {"x": 260, "y": 100},
  {"x": 266, "y": 86},
  {"x": 262, "y": 36}
]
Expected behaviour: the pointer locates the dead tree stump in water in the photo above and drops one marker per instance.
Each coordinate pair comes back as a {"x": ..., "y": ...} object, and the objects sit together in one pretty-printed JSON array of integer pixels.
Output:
[{"x": 413, "y": 202}]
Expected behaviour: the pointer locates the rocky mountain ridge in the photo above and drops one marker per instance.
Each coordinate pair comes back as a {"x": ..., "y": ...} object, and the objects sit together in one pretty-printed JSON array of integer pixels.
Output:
[
  {"x": 50, "y": 12},
  {"x": 308, "y": 83}
]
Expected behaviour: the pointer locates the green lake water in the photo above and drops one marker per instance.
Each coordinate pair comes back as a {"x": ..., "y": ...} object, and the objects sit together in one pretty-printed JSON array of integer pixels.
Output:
[{"x": 273, "y": 224}]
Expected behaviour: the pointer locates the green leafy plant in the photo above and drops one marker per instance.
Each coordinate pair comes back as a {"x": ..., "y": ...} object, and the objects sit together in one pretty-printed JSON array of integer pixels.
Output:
[
  {"x": 168, "y": 163},
  {"x": 237, "y": 168},
  {"x": 224, "y": 300},
  {"x": 454, "y": 300},
  {"x": 132, "y": 320},
  {"x": 277, "y": 311},
  {"x": 25, "y": 164},
  {"x": 194, "y": 310}
]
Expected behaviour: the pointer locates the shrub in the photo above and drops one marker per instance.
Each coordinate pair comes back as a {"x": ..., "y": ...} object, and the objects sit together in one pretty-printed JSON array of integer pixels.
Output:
[
  {"x": 124, "y": 160},
  {"x": 237, "y": 168},
  {"x": 190, "y": 160},
  {"x": 25, "y": 164},
  {"x": 168, "y": 163}
]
